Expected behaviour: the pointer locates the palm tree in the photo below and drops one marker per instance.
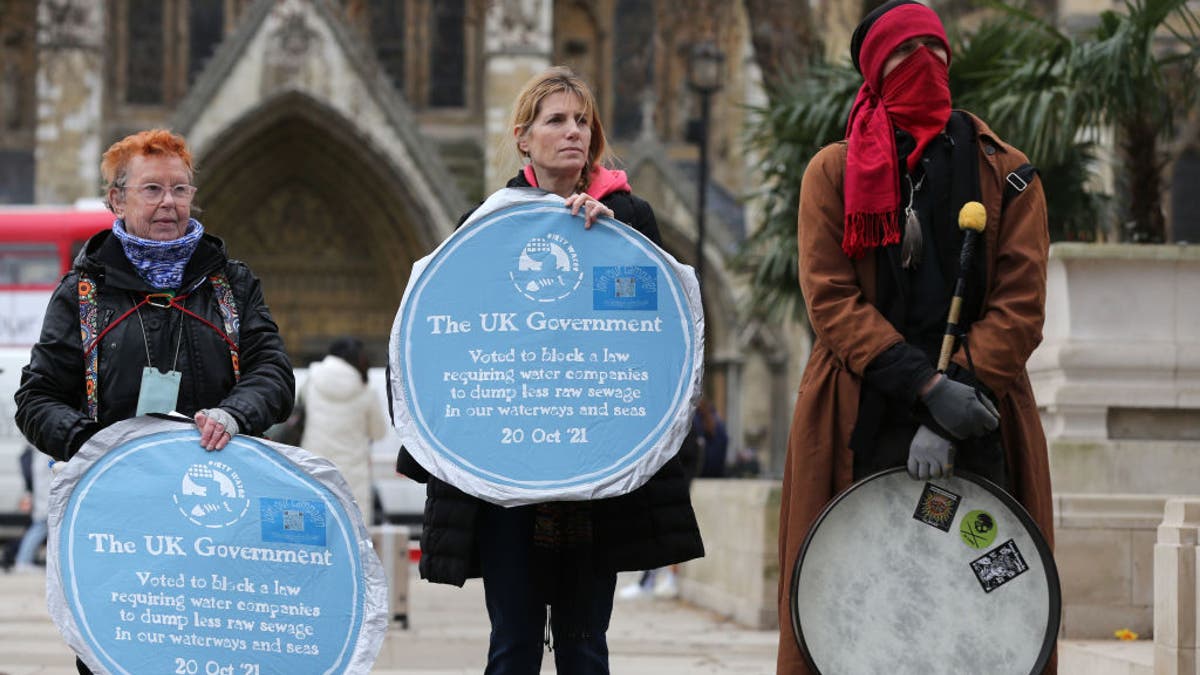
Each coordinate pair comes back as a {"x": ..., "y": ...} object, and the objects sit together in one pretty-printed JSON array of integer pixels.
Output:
[
  {"x": 1015, "y": 72},
  {"x": 1137, "y": 73},
  {"x": 803, "y": 115}
]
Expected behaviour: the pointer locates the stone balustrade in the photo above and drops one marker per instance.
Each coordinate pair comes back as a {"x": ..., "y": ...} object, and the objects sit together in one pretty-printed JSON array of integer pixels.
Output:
[
  {"x": 1176, "y": 591},
  {"x": 1122, "y": 334},
  {"x": 1104, "y": 549}
]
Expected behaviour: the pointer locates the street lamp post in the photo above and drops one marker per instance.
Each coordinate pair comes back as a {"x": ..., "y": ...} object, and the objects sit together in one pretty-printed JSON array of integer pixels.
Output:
[{"x": 705, "y": 68}]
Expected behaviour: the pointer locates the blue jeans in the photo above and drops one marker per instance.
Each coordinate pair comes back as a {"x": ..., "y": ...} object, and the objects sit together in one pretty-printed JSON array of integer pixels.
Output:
[
  {"x": 31, "y": 542},
  {"x": 579, "y": 612}
]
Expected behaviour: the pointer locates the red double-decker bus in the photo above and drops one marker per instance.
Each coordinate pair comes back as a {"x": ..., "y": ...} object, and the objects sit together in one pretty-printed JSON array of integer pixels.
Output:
[{"x": 37, "y": 246}]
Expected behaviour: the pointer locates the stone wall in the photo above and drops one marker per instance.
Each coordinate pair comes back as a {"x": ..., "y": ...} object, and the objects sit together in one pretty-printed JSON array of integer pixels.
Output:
[
  {"x": 1122, "y": 336},
  {"x": 1104, "y": 548},
  {"x": 739, "y": 575},
  {"x": 70, "y": 85},
  {"x": 1117, "y": 381}
]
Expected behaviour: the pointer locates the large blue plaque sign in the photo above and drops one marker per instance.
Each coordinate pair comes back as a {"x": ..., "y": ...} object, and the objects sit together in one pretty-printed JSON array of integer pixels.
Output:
[
  {"x": 533, "y": 359},
  {"x": 164, "y": 558}
]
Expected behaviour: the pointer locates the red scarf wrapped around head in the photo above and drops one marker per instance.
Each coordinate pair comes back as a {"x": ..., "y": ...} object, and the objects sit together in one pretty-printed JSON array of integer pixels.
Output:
[{"x": 915, "y": 97}]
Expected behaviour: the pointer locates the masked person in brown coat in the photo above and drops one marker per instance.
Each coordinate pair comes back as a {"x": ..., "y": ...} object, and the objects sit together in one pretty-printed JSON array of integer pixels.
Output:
[{"x": 879, "y": 246}]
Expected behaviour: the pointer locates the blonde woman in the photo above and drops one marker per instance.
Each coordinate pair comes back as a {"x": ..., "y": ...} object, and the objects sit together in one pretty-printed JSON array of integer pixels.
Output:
[{"x": 560, "y": 556}]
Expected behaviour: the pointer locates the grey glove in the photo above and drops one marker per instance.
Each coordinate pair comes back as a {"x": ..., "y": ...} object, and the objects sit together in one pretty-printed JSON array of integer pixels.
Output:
[
  {"x": 214, "y": 424},
  {"x": 930, "y": 455},
  {"x": 960, "y": 410}
]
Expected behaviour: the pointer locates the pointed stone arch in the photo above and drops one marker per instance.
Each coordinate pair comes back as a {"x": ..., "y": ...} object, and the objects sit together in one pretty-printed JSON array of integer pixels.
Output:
[
  {"x": 313, "y": 170},
  {"x": 328, "y": 225}
]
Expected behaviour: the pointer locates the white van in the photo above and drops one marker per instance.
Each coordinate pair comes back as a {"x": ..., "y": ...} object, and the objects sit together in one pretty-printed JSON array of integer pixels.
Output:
[
  {"x": 37, "y": 246},
  {"x": 12, "y": 485}
]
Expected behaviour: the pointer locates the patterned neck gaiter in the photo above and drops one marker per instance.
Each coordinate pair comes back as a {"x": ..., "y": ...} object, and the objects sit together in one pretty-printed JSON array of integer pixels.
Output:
[{"x": 160, "y": 263}]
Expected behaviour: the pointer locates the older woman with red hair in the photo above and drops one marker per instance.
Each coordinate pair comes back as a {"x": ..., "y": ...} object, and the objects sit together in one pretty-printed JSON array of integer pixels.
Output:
[{"x": 153, "y": 318}]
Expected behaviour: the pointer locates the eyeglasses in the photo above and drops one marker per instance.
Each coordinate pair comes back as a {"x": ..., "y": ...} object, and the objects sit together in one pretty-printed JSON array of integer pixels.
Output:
[{"x": 154, "y": 193}]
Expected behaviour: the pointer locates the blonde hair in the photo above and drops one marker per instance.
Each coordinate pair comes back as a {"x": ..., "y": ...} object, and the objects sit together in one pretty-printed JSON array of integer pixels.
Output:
[{"x": 560, "y": 79}]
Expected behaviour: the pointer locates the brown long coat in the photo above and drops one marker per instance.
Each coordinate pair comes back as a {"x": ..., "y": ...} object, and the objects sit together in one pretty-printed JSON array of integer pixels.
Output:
[{"x": 850, "y": 333}]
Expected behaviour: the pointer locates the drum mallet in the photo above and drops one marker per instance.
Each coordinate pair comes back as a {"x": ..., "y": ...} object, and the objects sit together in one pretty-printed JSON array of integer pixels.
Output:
[{"x": 972, "y": 218}]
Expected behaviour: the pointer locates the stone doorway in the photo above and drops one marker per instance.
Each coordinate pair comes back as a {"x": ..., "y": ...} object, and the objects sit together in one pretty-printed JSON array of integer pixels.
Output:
[{"x": 325, "y": 222}]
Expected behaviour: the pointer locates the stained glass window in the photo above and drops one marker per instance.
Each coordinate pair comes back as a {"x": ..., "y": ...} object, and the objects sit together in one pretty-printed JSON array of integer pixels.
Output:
[
  {"x": 144, "y": 68},
  {"x": 206, "y": 22},
  {"x": 633, "y": 64},
  {"x": 446, "y": 54},
  {"x": 387, "y": 32}
]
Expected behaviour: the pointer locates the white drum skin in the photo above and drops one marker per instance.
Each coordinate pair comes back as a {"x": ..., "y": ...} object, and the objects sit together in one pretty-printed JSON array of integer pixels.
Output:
[{"x": 881, "y": 587}]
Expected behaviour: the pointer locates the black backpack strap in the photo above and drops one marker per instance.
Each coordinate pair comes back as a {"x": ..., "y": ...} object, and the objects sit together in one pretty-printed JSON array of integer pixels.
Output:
[{"x": 1016, "y": 182}]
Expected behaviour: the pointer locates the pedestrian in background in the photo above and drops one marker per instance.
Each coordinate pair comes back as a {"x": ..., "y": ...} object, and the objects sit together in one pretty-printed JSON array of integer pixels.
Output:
[
  {"x": 342, "y": 417},
  {"x": 712, "y": 439},
  {"x": 703, "y": 454},
  {"x": 879, "y": 244},
  {"x": 39, "y": 512},
  {"x": 561, "y": 555},
  {"x": 171, "y": 322}
]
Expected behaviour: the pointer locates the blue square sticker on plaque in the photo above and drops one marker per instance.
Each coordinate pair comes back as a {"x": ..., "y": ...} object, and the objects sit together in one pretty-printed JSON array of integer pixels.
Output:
[
  {"x": 292, "y": 521},
  {"x": 625, "y": 287}
]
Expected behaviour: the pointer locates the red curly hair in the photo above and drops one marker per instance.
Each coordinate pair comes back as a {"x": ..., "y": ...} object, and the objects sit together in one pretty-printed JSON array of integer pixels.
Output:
[{"x": 151, "y": 142}]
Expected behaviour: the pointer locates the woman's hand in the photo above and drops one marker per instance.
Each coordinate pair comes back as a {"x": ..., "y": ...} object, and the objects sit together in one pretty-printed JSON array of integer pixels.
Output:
[
  {"x": 217, "y": 428},
  {"x": 592, "y": 208}
]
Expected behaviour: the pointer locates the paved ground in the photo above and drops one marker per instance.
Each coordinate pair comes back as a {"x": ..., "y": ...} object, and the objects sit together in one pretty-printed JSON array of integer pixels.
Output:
[{"x": 447, "y": 636}]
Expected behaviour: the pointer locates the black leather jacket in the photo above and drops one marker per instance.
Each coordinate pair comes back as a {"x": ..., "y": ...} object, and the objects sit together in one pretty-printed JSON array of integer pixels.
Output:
[{"x": 52, "y": 400}]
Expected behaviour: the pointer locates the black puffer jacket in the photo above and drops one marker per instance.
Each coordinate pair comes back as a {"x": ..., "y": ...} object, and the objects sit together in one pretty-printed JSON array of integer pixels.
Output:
[
  {"x": 650, "y": 527},
  {"x": 52, "y": 400}
]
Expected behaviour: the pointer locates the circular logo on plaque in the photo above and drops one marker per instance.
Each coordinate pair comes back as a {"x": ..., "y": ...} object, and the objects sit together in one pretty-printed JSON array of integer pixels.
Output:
[
  {"x": 547, "y": 269},
  {"x": 211, "y": 495}
]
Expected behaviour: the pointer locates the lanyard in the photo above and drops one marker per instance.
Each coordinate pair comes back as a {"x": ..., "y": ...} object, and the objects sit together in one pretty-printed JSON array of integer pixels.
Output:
[
  {"x": 146, "y": 340},
  {"x": 90, "y": 335},
  {"x": 160, "y": 300}
]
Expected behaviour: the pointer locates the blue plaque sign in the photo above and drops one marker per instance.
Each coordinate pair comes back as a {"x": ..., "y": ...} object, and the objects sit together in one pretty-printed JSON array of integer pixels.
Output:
[
  {"x": 533, "y": 359},
  {"x": 164, "y": 558}
]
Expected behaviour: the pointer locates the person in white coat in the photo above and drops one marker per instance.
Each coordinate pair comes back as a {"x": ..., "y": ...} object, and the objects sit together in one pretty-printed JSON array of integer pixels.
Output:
[{"x": 343, "y": 416}]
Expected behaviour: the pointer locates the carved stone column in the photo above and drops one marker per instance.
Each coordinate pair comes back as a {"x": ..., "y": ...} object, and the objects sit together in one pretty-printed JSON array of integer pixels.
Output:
[
  {"x": 1176, "y": 613},
  {"x": 517, "y": 46},
  {"x": 70, "y": 83}
]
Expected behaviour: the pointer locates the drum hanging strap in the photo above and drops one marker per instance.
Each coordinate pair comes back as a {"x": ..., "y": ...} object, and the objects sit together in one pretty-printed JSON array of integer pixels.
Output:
[
  {"x": 966, "y": 347},
  {"x": 90, "y": 335}
]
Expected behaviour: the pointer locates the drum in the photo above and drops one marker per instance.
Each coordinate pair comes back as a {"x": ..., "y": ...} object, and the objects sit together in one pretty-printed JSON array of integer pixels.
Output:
[{"x": 945, "y": 576}]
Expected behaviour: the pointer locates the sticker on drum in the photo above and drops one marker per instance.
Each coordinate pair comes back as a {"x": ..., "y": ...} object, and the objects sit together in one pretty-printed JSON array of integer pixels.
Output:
[{"x": 884, "y": 583}]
